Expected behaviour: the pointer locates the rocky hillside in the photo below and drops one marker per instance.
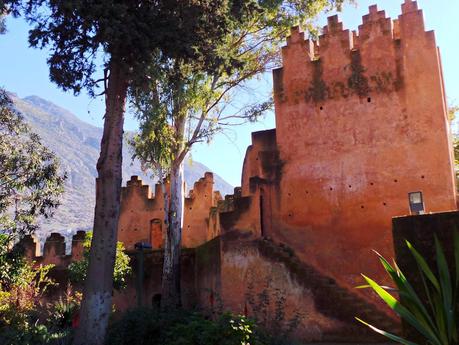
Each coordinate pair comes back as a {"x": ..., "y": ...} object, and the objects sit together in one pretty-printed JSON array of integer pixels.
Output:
[{"x": 77, "y": 145}]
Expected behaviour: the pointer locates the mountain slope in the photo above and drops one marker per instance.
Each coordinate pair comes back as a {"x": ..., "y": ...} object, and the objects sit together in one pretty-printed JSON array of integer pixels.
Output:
[{"x": 76, "y": 143}]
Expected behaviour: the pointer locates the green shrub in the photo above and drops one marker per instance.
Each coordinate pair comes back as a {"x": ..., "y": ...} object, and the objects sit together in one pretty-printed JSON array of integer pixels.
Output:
[
  {"x": 24, "y": 318},
  {"x": 151, "y": 327},
  {"x": 21, "y": 310},
  {"x": 437, "y": 319},
  {"x": 12, "y": 262},
  {"x": 62, "y": 311},
  {"x": 79, "y": 269}
]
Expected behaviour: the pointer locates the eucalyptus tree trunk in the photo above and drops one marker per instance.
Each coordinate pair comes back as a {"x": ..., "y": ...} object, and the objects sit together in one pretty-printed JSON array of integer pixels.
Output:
[
  {"x": 97, "y": 295},
  {"x": 171, "y": 290}
]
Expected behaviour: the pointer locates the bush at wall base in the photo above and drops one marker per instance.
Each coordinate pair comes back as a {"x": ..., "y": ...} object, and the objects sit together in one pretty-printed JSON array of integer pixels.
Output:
[{"x": 152, "y": 327}]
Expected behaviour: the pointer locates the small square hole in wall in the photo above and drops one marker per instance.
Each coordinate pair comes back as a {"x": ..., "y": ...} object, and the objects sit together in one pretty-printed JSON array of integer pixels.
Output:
[
  {"x": 321, "y": 108},
  {"x": 369, "y": 99}
]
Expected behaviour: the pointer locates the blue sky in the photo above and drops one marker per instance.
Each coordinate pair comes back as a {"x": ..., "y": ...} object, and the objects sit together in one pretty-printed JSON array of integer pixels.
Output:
[{"x": 24, "y": 71}]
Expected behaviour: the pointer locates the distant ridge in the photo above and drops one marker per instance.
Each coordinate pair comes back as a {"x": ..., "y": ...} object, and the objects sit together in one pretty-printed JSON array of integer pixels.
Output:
[{"x": 76, "y": 143}]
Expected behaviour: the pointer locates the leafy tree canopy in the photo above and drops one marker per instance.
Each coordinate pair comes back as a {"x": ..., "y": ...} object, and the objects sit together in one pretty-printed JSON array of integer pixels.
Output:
[
  {"x": 130, "y": 31},
  {"x": 179, "y": 90},
  {"x": 12, "y": 262},
  {"x": 2, "y": 25},
  {"x": 30, "y": 180}
]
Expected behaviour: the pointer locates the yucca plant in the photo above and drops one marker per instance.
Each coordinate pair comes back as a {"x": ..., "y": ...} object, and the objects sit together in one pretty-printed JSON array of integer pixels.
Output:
[{"x": 436, "y": 318}]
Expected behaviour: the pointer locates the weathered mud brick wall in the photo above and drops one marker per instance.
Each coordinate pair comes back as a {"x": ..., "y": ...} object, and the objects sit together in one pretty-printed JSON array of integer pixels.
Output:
[
  {"x": 239, "y": 213},
  {"x": 261, "y": 174},
  {"x": 249, "y": 209},
  {"x": 198, "y": 204},
  {"x": 265, "y": 280},
  {"x": 142, "y": 214},
  {"x": 151, "y": 284},
  {"x": 361, "y": 121},
  {"x": 55, "y": 250}
]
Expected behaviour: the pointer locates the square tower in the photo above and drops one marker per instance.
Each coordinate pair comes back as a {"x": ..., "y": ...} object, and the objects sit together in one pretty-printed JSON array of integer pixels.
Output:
[{"x": 361, "y": 121}]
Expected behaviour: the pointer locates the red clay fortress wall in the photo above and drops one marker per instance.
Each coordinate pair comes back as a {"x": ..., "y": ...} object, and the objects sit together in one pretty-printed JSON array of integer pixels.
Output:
[
  {"x": 142, "y": 214},
  {"x": 361, "y": 121}
]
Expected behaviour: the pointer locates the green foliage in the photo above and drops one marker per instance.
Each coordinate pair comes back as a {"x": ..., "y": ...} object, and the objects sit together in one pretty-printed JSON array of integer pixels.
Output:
[
  {"x": 79, "y": 269},
  {"x": 30, "y": 181},
  {"x": 456, "y": 160},
  {"x": 19, "y": 308},
  {"x": 182, "y": 94},
  {"x": 12, "y": 262},
  {"x": 24, "y": 318},
  {"x": 151, "y": 327},
  {"x": 436, "y": 319},
  {"x": 452, "y": 111},
  {"x": 2, "y": 24},
  {"x": 127, "y": 32},
  {"x": 62, "y": 311}
]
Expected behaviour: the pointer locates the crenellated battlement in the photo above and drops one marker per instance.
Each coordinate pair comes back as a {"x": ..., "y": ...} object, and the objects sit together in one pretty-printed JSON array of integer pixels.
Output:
[
  {"x": 136, "y": 186},
  {"x": 142, "y": 214},
  {"x": 409, "y": 6},
  {"x": 55, "y": 249},
  {"x": 344, "y": 63},
  {"x": 202, "y": 189}
]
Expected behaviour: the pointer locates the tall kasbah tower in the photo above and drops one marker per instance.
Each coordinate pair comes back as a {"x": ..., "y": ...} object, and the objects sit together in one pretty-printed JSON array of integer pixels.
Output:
[{"x": 361, "y": 121}]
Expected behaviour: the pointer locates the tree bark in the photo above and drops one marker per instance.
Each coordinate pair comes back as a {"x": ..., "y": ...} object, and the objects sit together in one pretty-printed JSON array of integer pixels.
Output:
[
  {"x": 97, "y": 297},
  {"x": 171, "y": 290}
]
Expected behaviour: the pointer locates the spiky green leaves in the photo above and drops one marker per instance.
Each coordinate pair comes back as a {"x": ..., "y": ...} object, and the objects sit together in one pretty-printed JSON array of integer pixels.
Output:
[{"x": 435, "y": 318}]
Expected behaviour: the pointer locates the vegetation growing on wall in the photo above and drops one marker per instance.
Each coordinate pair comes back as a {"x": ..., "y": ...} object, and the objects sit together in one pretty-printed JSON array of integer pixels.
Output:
[
  {"x": 357, "y": 81},
  {"x": 318, "y": 89},
  {"x": 268, "y": 309}
]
